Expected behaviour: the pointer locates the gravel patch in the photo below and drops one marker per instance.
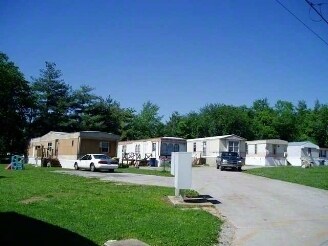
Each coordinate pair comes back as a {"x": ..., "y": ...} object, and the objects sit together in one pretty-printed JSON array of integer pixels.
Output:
[{"x": 227, "y": 232}]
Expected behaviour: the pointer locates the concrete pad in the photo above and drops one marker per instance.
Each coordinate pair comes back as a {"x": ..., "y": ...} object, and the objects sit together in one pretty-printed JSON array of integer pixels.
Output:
[
  {"x": 127, "y": 242},
  {"x": 179, "y": 202}
]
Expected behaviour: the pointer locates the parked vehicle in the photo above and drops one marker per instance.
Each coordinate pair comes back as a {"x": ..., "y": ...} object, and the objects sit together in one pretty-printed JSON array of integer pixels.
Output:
[
  {"x": 95, "y": 162},
  {"x": 230, "y": 160}
]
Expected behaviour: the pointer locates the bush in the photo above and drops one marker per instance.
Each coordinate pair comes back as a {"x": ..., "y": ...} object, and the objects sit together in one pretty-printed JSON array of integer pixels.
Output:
[
  {"x": 122, "y": 165},
  {"x": 143, "y": 162},
  {"x": 189, "y": 193},
  {"x": 166, "y": 164}
]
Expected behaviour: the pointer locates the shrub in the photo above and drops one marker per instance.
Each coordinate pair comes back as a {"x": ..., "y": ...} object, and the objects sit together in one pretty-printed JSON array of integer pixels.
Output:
[{"x": 189, "y": 193}]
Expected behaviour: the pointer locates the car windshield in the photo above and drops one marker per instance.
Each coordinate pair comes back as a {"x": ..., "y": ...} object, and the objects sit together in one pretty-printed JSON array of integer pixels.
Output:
[
  {"x": 101, "y": 157},
  {"x": 229, "y": 154}
]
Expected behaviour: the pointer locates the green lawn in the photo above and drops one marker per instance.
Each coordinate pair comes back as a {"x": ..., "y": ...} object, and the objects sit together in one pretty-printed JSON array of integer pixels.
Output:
[
  {"x": 144, "y": 171},
  {"x": 315, "y": 177},
  {"x": 100, "y": 211}
]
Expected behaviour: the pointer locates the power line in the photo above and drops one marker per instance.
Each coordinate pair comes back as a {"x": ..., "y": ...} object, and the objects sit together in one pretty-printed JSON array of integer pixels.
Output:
[
  {"x": 302, "y": 22},
  {"x": 312, "y": 6}
]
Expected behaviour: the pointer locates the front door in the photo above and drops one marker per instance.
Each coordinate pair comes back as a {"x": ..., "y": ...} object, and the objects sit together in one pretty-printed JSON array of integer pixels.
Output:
[{"x": 153, "y": 149}]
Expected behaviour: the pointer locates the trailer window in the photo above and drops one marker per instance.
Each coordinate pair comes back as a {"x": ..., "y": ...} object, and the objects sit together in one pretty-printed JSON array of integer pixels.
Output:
[{"x": 104, "y": 147}]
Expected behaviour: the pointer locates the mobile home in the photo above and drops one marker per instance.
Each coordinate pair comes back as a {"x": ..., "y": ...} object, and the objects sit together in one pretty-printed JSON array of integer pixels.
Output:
[
  {"x": 150, "y": 149},
  {"x": 71, "y": 146},
  {"x": 210, "y": 147},
  {"x": 269, "y": 152},
  {"x": 300, "y": 152},
  {"x": 323, "y": 156}
]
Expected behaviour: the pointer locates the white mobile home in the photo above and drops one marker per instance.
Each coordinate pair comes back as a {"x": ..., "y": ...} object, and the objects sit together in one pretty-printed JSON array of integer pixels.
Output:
[
  {"x": 269, "y": 152},
  {"x": 210, "y": 147},
  {"x": 300, "y": 152},
  {"x": 323, "y": 156},
  {"x": 150, "y": 148}
]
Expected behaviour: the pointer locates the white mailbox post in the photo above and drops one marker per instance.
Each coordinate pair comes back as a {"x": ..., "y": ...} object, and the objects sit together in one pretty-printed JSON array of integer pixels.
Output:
[
  {"x": 182, "y": 166},
  {"x": 173, "y": 154}
]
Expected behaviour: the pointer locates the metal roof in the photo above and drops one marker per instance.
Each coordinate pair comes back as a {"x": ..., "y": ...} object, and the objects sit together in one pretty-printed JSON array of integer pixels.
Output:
[
  {"x": 50, "y": 136},
  {"x": 268, "y": 141},
  {"x": 216, "y": 137},
  {"x": 304, "y": 144}
]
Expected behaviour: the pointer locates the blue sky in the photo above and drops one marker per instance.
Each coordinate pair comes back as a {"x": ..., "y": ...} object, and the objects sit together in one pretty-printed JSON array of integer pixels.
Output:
[{"x": 179, "y": 55}]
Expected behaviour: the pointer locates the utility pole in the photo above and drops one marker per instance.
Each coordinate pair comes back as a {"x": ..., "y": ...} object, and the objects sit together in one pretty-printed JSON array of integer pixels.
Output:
[{"x": 312, "y": 6}]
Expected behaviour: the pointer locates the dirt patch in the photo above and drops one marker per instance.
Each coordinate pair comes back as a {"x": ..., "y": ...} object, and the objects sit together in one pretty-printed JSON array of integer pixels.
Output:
[{"x": 33, "y": 199}]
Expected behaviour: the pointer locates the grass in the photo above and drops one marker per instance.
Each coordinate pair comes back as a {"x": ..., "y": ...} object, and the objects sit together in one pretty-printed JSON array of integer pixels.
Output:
[
  {"x": 144, "y": 171},
  {"x": 101, "y": 211},
  {"x": 315, "y": 177}
]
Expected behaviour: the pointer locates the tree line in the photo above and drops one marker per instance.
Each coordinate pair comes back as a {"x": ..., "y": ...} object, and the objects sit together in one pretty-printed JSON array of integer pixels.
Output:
[{"x": 47, "y": 103}]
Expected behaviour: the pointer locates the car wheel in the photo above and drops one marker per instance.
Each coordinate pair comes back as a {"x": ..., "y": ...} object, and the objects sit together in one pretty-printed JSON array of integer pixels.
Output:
[
  {"x": 239, "y": 169},
  {"x": 92, "y": 167},
  {"x": 76, "y": 167},
  {"x": 221, "y": 168}
]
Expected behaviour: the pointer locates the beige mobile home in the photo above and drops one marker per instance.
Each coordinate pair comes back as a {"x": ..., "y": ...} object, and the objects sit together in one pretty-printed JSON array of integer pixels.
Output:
[
  {"x": 210, "y": 147},
  {"x": 154, "y": 148},
  {"x": 71, "y": 146},
  {"x": 269, "y": 152}
]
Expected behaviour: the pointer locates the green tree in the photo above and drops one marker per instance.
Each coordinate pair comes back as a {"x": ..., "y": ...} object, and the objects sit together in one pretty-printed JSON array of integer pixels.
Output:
[
  {"x": 103, "y": 115},
  {"x": 263, "y": 117},
  {"x": 16, "y": 102},
  {"x": 302, "y": 121},
  {"x": 146, "y": 124},
  {"x": 81, "y": 103},
  {"x": 285, "y": 120},
  {"x": 317, "y": 122},
  {"x": 176, "y": 126},
  {"x": 53, "y": 101},
  {"x": 220, "y": 119}
]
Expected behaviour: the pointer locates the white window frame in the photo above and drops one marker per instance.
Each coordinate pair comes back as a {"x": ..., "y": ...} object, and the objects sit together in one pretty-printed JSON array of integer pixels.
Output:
[
  {"x": 233, "y": 146},
  {"x": 137, "y": 149},
  {"x": 204, "y": 148}
]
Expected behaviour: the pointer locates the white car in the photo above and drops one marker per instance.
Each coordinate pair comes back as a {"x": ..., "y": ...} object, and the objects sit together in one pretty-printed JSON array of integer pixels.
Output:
[{"x": 95, "y": 162}]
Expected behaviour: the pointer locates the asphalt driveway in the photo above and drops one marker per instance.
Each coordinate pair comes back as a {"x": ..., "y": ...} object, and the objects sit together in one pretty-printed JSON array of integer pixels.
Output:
[
  {"x": 266, "y": 211},
  {"x": 263, "y": 211}
]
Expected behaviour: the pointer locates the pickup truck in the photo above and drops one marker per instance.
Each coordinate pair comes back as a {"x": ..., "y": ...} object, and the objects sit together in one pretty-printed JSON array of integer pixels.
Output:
[{"x": 229, "y": 160}]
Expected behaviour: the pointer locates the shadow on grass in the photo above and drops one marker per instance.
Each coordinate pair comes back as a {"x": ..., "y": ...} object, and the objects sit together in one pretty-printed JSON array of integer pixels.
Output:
[{"x": 17, "y": 229}]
